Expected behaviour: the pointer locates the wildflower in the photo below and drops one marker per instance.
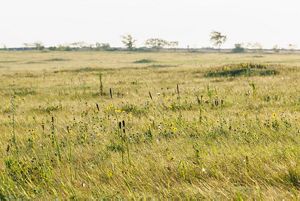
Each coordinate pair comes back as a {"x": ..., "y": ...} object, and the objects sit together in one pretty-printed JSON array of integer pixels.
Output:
[
  {"x": 109, "y": 174},
  {"x": 109, "y": 107},
  {"x": 118, "y": 111},
  {"x": 174, "y": 129}
]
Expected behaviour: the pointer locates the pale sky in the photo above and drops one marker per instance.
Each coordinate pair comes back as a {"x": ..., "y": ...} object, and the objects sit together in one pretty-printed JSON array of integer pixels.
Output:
[{"x": 190, "y": 22}]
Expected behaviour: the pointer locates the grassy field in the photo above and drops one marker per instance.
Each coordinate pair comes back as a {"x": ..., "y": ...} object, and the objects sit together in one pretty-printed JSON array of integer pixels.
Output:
[{"x": 119, "y": 125}]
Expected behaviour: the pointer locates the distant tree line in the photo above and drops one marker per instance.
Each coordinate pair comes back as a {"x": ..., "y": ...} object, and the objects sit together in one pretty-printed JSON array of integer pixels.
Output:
[
  {"x": 217, "y": 40},
  {"x": 152, "y": 43}
]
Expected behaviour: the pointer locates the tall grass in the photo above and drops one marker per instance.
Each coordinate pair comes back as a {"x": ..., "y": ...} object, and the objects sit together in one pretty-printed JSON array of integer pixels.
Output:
[{"x": 149, "y": 133}]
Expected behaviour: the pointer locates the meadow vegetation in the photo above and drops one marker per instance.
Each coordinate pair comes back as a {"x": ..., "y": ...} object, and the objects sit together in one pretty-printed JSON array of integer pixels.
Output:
[{"x": 130, "y": 125}]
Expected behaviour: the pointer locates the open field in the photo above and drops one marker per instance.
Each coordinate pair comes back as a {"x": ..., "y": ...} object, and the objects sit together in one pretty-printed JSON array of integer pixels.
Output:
[{"x": 173, "y": 125}]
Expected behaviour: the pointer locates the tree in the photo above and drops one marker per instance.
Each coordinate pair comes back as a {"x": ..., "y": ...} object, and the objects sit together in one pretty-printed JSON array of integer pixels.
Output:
[
  {"x": 156, "y": 43},
  {"x": 35, "y": 45},
  {"x": 80, "y": 44},
  {"x": 249, "y": 45},
  {"x": 39, "y": 45},
  {"x": 258, "y": 47},
  {"x": 28, "y": 45},
  {"x": 217, "y": 39},
  {"x": 65, "y": 47},
  {"x": 3, "y": 47},
  {"x": 292, "y": 47},
  {"x": 102, "y": 46},
  {"x": 276, "y": 48},
  {"x": 128, "y": 41},
  {"x": 173, "y": 44},
  {"x": 238, "y": 48}
]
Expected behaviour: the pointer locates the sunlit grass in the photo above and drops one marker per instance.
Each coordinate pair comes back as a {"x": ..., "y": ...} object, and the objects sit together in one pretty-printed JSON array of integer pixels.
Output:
[{"x": 143, "y": 132}]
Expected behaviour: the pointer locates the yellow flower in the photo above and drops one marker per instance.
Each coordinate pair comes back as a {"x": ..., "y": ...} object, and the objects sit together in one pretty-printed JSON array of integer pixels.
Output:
[
  {"x": 118, "y": 111},
  {"x": 274, "y": 115},
  {"x": 174, "y": 129},
  {"x": 109, "y": 107},
  {"x": 109, "y": 174}
]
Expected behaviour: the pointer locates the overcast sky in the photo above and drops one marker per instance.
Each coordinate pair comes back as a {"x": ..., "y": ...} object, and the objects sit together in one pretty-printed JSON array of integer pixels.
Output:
[{"x": 187, "y": 21}]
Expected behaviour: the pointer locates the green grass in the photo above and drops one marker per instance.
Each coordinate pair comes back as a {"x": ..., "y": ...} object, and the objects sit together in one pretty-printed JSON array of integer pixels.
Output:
[
  {"x": 144, "y": 61},
  {"x": 230, "y": 130},
  {"x": 248, "y": 69}
]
